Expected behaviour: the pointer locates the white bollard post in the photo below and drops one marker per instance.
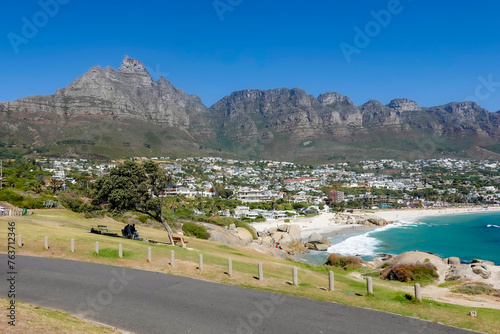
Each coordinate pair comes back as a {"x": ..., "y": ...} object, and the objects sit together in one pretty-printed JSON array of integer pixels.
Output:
[
  {"x": 418, "y": 292},
  {"x": 120, "y": 251},
  {"x": 97, "y": 247},
  {"x": 331, "y": 281},
  {"x": 295, "y": 276},
  {"x": 149, "y": 254},
  {"x": 72, "y": 245},
  {"x": 46, "y": 242},
  {"x": 261, "y": 272},
  {"x": 172, "y": 258},
  {"x": 230, "y": 267},
  {"x": 201, "y": 263},
  {"x": 20, "y": 240},
  {"x": 369, "y": 285}
]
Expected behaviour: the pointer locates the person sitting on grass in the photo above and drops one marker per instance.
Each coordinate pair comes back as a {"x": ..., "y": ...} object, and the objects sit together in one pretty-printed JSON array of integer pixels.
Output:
[
  {"x": 126, "y": 231},
  {"x": 133, "y": 231}
]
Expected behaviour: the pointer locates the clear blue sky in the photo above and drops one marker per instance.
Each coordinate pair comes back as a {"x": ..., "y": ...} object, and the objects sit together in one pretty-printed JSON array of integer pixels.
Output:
[{"x": 431, "y": 51}]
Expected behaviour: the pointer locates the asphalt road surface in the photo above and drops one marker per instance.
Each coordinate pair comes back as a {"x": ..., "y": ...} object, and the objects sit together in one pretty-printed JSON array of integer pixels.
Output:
[{"x": 148, "y": 302}]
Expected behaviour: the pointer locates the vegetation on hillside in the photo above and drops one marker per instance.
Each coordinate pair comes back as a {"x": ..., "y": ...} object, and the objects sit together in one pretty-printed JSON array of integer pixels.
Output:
[
  {"x": 422, "y": 273},
  {"x": 195, "y": 230},
  {"x": 345, "y": 262}
]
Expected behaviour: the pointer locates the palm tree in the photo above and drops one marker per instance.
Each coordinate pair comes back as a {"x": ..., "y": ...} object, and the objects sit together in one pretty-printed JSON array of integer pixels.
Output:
[{"x": 55, "y": 185}]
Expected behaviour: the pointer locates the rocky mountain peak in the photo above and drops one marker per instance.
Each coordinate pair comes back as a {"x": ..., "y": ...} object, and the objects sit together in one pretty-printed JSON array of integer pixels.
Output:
[
  {"x": 130, "y": 65},
  {"x": 402, "y": 105},
  {"x": 372, "y": 104},
  {"x": 125, "y": 93},
  {"x": 334, "y": 97}
]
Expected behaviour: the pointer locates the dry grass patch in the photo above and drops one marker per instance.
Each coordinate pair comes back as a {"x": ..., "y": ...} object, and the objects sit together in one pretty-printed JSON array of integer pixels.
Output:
[{"x": 36, "y": 319}]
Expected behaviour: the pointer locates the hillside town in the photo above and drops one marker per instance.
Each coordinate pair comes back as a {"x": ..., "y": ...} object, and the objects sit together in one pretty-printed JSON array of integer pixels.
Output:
[{"x": 374, "y": 184}]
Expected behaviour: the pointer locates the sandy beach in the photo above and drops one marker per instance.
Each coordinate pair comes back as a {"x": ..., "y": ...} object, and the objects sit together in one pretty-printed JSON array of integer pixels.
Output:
[
  {"x": 404, "y": 214},
  {"x": 325, "y": 224}
]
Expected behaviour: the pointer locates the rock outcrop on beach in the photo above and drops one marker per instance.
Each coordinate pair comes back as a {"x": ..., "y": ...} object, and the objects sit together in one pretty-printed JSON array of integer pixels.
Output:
[
  {"x": 318, "y": 242},
  {"x": 366, "y": 219},
  {"x": 449, "y": 269},
  {"x": 477, "y": 271},
  {"x": 228, "y": 236},
  {"x": 236, "y": 236},
  {"x": 287, "y": 237}
]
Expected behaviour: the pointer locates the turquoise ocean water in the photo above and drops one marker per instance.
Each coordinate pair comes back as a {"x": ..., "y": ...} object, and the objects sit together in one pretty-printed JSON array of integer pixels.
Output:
[{"x": 467, "y": 236}]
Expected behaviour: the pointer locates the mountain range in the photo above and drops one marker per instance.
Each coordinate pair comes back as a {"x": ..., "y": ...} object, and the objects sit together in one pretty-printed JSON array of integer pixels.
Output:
[{"x": 123, "y": 112}]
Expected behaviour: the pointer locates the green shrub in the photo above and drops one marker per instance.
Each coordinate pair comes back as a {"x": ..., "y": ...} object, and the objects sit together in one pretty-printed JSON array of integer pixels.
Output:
[
  {"x": 453, "y": 278},
  {"x": 143, "y": 218},
  {"x": 257, "y": 219},
  {"x": 32, "y": 203},
  {"x": 192, "y": 229},
  {"x": 20, "y": 201},
  {"x": 342, "y": 261},
  {"x": 94, "y": 214},
  {"x": 71, "y": 202},
  {"x": 13, "y": 198},
  {"x": 226, "y": 221},
  {"x": 423, "y": 273},
  {"x": 185, "y": 212}
]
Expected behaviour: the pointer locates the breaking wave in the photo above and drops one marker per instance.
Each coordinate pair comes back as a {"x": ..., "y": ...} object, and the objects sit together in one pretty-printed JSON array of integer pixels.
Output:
[
  {"x": 491, "y": 225},
  {"x": 365, "y": 244}
]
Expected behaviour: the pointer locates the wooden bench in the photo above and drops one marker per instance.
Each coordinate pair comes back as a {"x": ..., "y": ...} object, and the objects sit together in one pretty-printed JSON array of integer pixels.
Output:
[
  {"x": 179, "y": 240},
  {"x": 102, "y": 229},
  {"x": 99, "y": 229}
]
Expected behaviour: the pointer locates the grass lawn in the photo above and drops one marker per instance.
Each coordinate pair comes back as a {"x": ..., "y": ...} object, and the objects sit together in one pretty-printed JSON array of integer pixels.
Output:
[{"x": 62, "y": 225}]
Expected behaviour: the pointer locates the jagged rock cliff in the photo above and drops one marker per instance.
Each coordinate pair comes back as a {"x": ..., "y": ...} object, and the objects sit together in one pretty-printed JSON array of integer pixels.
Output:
[
  {"x": 125, "y": 106},
  {"x": 291, "y": 123},
  {"x": 263, "y": 114},
  {"x": 128, "y": 92}
]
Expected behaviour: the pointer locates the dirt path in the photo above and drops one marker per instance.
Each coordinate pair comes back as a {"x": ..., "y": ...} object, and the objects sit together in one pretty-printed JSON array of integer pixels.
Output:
[{"x": 446, "y": 296}]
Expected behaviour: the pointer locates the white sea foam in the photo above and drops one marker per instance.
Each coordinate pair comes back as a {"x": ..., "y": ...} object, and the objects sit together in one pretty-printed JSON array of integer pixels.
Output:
[
  {"x": 365, "y": 244},
  {"x": 491, "y": 225},
  {"x": 361, "y": 244}
]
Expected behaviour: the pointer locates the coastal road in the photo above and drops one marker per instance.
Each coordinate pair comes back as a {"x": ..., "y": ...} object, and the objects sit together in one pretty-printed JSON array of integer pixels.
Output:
[{"x": 148, "y": 302}]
